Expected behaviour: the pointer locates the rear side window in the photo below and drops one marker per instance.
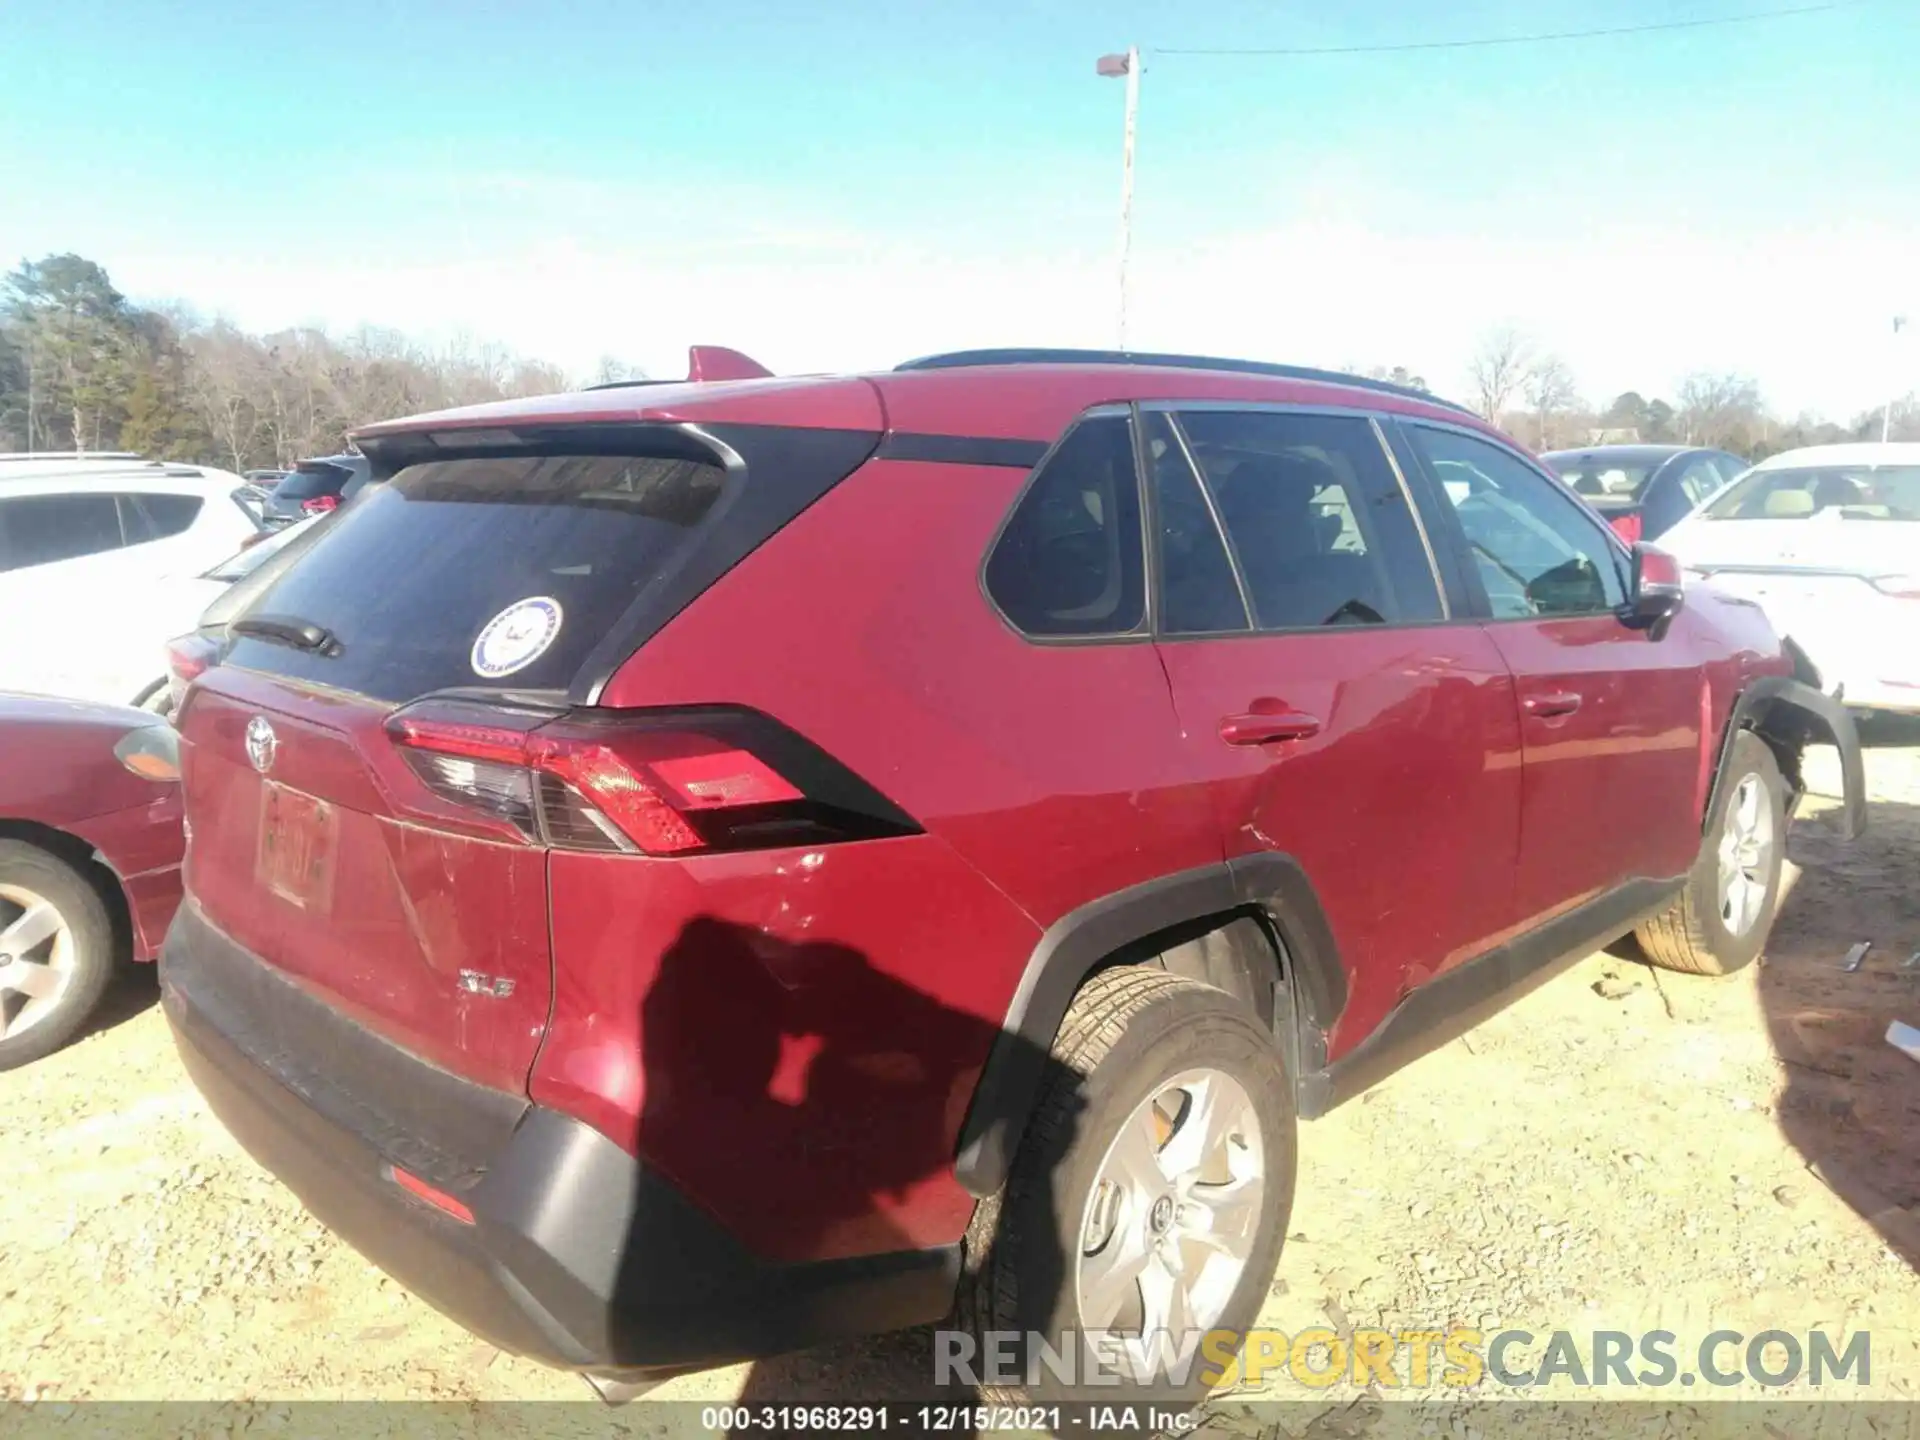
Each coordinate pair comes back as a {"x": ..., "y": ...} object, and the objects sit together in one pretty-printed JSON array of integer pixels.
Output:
[
  {"x": 42, "y": 529},
  {"x": 1320, "y": 529},
  {"x": 484, "y": 571},
  {"x": 1069, "y": 561},
  {"x": 155, "y": 517}
]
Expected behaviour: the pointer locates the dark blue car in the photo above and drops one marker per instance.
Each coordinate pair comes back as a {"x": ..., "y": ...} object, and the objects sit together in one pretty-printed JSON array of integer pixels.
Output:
[{"x": 1644, "y": 490}]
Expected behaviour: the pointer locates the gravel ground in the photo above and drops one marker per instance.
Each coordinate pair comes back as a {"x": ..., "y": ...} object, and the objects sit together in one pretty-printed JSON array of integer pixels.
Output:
[{"x": 1622, "y": 1150}]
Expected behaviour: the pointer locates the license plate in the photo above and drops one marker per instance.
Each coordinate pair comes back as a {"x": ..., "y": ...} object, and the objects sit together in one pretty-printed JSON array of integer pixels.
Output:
[{"x": 297, "y": 840}]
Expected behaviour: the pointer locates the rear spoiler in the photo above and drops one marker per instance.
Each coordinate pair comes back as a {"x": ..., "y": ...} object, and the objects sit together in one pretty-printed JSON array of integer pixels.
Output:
[{"x": 704, "y": 362}]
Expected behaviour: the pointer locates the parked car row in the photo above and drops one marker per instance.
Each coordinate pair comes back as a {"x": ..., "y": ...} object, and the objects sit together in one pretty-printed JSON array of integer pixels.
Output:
[
  {"x": 114, "y": 556},
  {"x": 1643, "y": 491}
]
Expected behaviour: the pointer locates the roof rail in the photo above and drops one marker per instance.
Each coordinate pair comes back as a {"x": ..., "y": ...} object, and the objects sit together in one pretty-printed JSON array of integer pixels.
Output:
[
  {"x": 964, "y": 359},
  {"x": 71, "y": 455}
]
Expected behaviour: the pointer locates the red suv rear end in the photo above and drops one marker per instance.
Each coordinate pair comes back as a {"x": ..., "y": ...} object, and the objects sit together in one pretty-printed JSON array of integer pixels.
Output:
[{"x": 662, "y": 858}]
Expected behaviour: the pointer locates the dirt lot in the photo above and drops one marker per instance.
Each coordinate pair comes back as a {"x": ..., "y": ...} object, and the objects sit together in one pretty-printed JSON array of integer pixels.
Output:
[{"x": 1621, "y": 1151}]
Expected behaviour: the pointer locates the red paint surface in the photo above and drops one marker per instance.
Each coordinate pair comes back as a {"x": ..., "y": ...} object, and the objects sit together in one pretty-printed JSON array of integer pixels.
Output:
[
  {"x": 58, "y": 771},
  {"x": 793, "y": 1035}
]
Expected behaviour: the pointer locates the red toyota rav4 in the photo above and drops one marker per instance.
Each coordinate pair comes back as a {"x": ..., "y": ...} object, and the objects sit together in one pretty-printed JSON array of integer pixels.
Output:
[{"x": 687, "y": 871}]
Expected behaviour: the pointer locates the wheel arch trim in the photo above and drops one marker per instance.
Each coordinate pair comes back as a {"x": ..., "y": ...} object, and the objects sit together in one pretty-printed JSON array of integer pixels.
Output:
[
  {"x": 1300, "y": 959},
  {"x": 1790, "y": 713}
]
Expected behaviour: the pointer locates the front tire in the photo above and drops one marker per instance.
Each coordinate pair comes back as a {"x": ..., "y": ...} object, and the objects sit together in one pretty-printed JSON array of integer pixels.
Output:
[
  {"x": 56, "y": 952},
  {"x": 1720, "y": 922},
  {"x": 1151, "y": 1193}
]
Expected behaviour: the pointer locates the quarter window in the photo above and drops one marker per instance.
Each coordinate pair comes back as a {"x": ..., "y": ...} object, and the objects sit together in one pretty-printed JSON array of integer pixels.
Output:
[
  {"x": 1070, "y": 561},
  {"x": 1320, "y": 530},
  {"x": 1535, "y": 552},
  {"x": 155, "y": 517}
]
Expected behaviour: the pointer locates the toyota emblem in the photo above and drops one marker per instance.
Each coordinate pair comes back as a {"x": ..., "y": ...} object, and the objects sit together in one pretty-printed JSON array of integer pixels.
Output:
[{"x": 262, "y": 743}]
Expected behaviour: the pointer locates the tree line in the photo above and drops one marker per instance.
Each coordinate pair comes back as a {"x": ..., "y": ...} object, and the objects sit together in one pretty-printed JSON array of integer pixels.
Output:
[
  {"x": 1530, "y": 392},
  {"x": 84, "y": 368}
]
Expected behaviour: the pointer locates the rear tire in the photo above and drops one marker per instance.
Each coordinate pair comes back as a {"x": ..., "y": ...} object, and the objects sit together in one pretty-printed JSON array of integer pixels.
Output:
[
  {"x": 1149, "y": 1071},
  {"x": 1720, "y": 922},
  {"x": 57, "y": 952}
]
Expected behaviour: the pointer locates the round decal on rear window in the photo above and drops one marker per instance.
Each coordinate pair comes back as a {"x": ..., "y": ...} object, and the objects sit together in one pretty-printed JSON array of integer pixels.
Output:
[{"x": 516, "y": 637}]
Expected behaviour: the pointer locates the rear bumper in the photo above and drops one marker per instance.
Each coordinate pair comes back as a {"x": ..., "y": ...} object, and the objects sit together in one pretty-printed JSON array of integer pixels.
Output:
[{"x": 579, "y": 1255}]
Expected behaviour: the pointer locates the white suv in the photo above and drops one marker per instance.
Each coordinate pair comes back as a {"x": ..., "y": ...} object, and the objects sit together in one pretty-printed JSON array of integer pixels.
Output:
[{"x": 101, "y": 563}]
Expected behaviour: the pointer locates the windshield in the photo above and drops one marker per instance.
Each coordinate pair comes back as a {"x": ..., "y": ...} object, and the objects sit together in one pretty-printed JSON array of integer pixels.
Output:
[
  {"x": 1847, "y": 492},
  {"x": 1599, "y": 478}
]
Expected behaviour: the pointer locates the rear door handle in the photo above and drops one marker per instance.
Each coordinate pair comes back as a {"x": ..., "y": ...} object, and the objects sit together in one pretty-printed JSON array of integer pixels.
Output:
[
  {"x": 1557, "y": 702},
  {"x": 1264, "y": 729}
]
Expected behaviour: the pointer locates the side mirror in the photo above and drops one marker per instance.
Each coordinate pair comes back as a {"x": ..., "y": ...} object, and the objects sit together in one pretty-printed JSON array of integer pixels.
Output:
[{"x": 1659, "y": 590}]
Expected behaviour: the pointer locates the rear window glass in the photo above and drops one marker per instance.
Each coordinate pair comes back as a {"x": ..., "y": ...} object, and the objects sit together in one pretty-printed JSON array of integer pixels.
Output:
[
  {"x": 1603, "y": 479},
  {"x": 307, "y": 483},
  {"x": 548, "y": 551},
  {"x": 1856, "y": 492}
]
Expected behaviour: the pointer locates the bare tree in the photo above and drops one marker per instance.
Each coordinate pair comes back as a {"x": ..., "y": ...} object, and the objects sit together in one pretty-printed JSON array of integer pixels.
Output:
[
  {"x": 1723, "y": 411},
  {"x": 1498, "y": 370},
  {"x": 1551, "y": 395},
  {"x": 225, "y": 382},
  {"x": 612, "y": 370}
]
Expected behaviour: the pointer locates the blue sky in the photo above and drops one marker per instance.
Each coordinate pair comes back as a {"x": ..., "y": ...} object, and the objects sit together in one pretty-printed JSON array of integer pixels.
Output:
[{"x": 852, "y": 183}]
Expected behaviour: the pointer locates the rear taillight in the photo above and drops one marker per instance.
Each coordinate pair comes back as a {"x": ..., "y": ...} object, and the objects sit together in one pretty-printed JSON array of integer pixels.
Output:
[
  {"x": 188, "y": 658},
  {"x": 647, "y": 782},
  {"x": 320, "y": 504},
  {"x": 1627, "y": 527}
]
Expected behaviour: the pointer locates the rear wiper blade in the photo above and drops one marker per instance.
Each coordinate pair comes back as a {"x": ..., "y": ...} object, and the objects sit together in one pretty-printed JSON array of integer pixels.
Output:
[{"x": 288, "y": 630}]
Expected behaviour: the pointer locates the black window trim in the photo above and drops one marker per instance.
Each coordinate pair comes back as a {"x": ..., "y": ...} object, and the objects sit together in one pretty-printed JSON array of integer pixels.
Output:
[
  {"x": 1150, "y": 519},
  {"x": 1461, "y": 598},
  {"x": 1142, "y": 633},
  {"x": 1449, "y": 522},
  {"x": 1377, "y": 418}
]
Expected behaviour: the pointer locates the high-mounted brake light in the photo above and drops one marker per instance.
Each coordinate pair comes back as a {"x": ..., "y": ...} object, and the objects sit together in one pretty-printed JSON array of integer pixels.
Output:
[
  {"x": 320, "y": 504},
  {"x": 648, "y": 784}
]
